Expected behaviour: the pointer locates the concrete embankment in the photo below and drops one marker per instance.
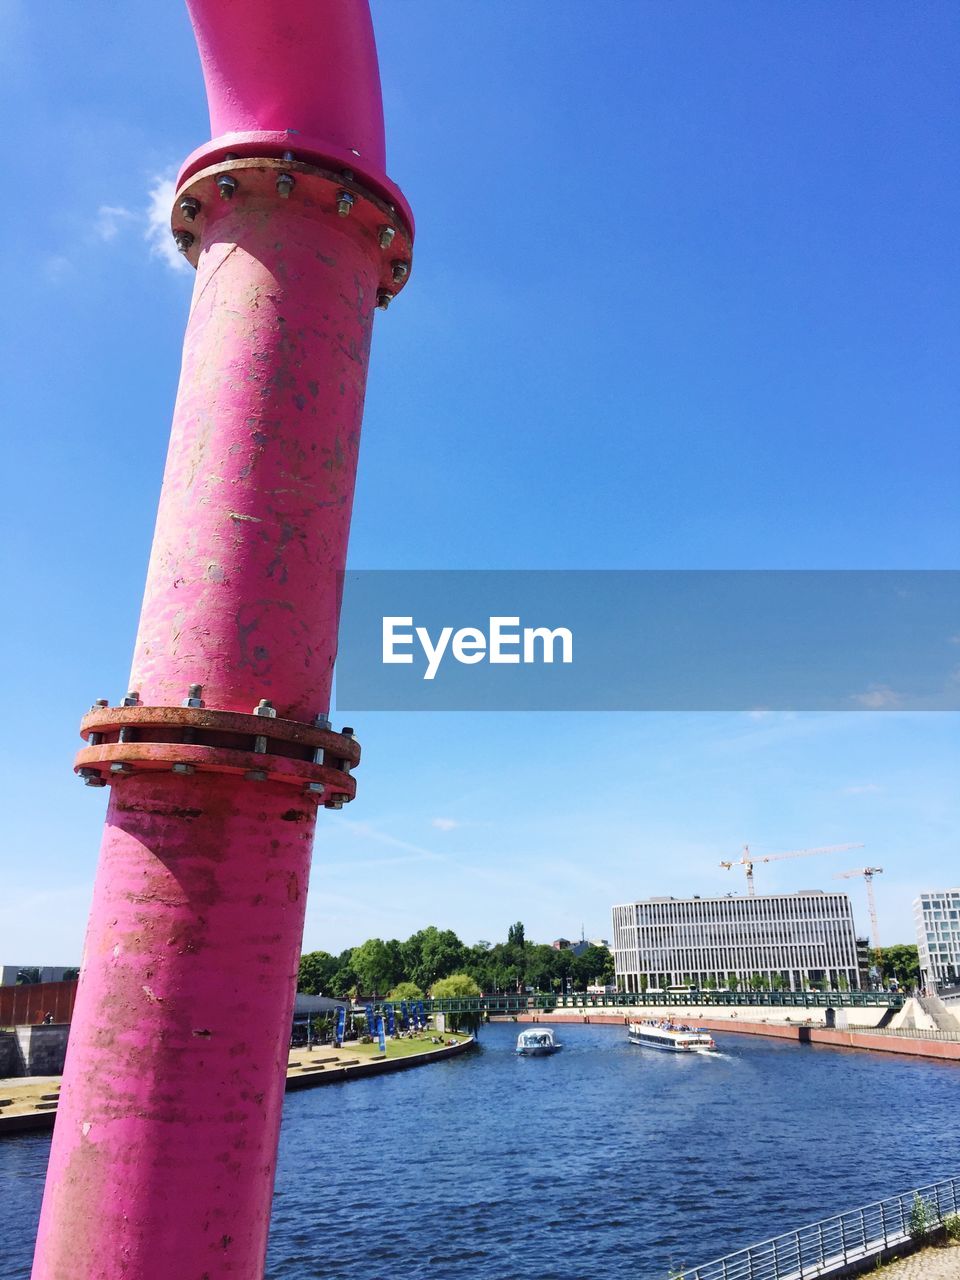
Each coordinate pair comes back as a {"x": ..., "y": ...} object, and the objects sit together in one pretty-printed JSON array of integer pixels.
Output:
[
  {"x": 30, "y": 1103},
  {"x": 927, "y": 1046}
]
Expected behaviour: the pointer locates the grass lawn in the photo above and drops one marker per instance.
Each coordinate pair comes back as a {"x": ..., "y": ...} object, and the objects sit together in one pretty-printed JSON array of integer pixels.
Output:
[{"x": 399, "y": 1048}]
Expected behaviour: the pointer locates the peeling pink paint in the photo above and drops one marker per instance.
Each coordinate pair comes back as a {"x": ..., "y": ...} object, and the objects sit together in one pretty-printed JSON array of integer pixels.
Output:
[{"x": 164, "y": 1149}]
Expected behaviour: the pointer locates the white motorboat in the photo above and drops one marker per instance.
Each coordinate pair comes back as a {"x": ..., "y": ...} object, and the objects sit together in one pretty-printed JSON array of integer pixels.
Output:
[
  {"x": 537, "y": 1042},
  {"x": 674, "y": 1037}
]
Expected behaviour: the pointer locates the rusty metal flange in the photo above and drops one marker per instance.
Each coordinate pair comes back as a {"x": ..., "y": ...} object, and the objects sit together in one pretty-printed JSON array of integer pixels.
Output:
[
  {"x": 133, "y": 739},
  {"x": 304, "y": 187}
]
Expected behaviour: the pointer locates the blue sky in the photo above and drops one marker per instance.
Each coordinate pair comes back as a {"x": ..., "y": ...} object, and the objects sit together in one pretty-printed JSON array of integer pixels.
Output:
[{"x": 685, "y": 296}]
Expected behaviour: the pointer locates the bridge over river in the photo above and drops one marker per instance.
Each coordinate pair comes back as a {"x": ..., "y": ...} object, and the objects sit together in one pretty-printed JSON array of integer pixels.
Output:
[{"x": 515, "y": 1002}]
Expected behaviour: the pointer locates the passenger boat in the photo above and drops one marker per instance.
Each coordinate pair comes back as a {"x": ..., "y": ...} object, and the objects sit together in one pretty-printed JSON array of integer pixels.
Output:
[
  {"x": 672, "y": 1037},
  {"x": 537, "y": 1043}
]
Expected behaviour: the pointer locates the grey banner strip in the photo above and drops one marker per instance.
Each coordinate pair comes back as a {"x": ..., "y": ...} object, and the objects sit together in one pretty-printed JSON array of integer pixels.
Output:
[{"x": 609, "y": 640}]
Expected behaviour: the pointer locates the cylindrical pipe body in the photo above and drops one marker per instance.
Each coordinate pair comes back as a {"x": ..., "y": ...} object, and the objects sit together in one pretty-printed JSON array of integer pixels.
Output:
[
  {"x": 242, "y": 590},
  {"x": 165, "y": 1143},
  {"x": 163, "y": 1154}
]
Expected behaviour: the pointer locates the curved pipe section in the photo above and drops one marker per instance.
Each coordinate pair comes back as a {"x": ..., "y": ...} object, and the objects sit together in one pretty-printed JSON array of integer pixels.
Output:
[{"x": 289, "y": 75}]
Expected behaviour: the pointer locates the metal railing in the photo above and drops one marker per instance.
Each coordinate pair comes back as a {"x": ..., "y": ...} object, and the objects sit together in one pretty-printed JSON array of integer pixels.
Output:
[
  {"x": 513, "y": 1002},
  {"x": 827, "y": 1246},
  {"x": 908, "y": 1033}
]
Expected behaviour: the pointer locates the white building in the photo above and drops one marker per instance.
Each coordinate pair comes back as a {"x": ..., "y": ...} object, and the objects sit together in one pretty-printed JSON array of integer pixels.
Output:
[
  {"x": 937, "y": 919},
  {"x": 788, "y": 940}
]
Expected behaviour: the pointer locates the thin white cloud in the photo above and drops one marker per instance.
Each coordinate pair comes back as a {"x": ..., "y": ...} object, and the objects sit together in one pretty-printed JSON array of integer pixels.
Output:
[
  {"x": 878, "y": 697},
  {"x": 444, "y": 824},
  {"x": 157, "y": 232},
  {"x": 365, "y": 831},
  {"x": 56, "y": 267},
  {"x": 110, "y": 218}
]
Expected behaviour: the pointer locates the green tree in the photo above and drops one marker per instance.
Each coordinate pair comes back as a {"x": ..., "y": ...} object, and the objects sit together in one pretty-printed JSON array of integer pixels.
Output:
[
  {"x": 644, "y": 983},
  {"x": 732, "y": 982},
  {"x": 540, "y": 965},
  {"x": 901, "y": 961},
  {"x": 316, "y": 973},
  {"x": 777, "y": 982},
  {"x": 457, "y": 984},
  {"x": 515, "y": 935},
  {"x": 430, "y": 954},
  {"x": 373, "y": 964},
  {"x": 405, "y": 991},
  {"x": 27, "y": 977},
  {"x": 71, "y": 975},
  {"x": 758, "y": 982},
  {"x": 344, "y": 981},
  {"x": 595, "y": 965}
]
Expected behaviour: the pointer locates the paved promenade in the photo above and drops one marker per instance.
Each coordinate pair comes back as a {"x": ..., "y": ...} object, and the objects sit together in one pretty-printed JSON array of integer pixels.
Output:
[{"x": 929, "y": 1264}]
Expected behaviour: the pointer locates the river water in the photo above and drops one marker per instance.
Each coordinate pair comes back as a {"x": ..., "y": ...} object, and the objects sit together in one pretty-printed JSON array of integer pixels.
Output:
[{"x": 602, "y": 1162}]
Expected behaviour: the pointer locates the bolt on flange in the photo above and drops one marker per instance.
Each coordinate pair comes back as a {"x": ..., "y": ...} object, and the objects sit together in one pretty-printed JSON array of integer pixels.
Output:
[
  {"x": 386, "y": 236},
  {"x": 384, "y": 298},
  {"x": 193, "y": 698},
  {"x": 285, "y": 184},
  {"x": 401, "y": 270},
  {"x": 345, "y": 202},
  {"x": 189, "y": 207},
  {"x": 226, "y": 185}
]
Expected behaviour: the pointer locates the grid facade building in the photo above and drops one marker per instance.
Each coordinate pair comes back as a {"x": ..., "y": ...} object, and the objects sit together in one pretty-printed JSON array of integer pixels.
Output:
[
  {"x": 937, "y": 920},
  {"x": 788, "y": 940}
]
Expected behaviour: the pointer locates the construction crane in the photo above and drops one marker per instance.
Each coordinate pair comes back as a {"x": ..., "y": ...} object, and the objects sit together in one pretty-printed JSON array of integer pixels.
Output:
[
  {"x": 868, "y": 873},
  {"x": 748, "y": 859}
]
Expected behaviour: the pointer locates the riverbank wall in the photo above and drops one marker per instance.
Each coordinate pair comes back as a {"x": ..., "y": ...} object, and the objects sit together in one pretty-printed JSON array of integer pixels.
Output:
[
  {"x": 925, "y": 1045},
  {"x": 28, "y": 1104}
]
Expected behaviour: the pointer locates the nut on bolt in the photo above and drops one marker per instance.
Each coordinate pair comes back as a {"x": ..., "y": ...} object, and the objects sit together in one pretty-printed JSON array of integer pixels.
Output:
[
  {"x": 189, "y": 207},
  {"x": 91, "y": 777},
  {"x": 401, "y": 270},
  {"x": 256, "y": 775},
  {"x": 265, "y": 708},
  {"x": 386, "y": 236},
  {"x": 314, "y": 789},
  {"x": 179, "y": 767},
  {"x": 132, "y": 699},
  {"x": 183, "y": 240},
  {"x": 384, "y": 298},
  {"x": 285, "y": 184},
  {"x": 345, "y": 202},
  {"x": 193, "y": 698},
  {"x": 226, "y": 185}
]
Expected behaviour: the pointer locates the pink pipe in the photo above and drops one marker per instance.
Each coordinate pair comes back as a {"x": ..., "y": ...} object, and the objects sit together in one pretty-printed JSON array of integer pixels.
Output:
[{"x": 164, "y": 1150}]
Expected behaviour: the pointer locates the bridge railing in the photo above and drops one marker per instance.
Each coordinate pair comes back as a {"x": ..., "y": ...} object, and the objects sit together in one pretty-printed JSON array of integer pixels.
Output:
[
  {"x": 534, "y": 1002},
  {"x": 825, "y": 1247}
]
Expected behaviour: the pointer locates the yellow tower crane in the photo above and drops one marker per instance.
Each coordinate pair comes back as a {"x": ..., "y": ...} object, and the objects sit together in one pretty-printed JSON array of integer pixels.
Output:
[{"x": 748, "y": 859}]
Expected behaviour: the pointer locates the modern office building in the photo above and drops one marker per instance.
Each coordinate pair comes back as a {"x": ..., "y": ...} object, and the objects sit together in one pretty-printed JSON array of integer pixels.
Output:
[
  {"x": 937, "y": 920},
  {"x": 779, "y": 940}
]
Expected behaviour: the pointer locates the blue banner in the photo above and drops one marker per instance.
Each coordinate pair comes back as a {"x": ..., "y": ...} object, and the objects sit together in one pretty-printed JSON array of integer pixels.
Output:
[
  {"x": 404, "y": 1016},
  {"x": 371, "y": 1025},
  {"x": 341, "y": 1025},
  {"x": 390, "y": 1023},
  {"x": 380, "y": 1036}
]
